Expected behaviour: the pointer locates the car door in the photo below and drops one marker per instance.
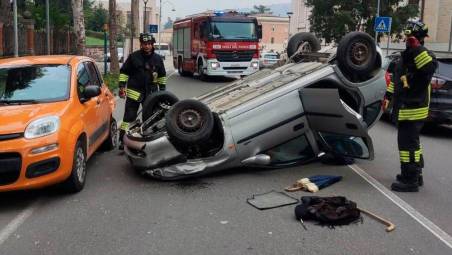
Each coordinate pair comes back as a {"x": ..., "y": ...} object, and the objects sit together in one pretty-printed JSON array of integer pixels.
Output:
[
  {"x": 340, "y": 129},
  {"x": 102, "y": 115}
]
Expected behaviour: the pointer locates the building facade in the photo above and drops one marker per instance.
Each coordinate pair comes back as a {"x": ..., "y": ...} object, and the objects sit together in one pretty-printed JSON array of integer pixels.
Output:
[
  {"x": 299, "y": 20},
  {"x": 275, "y": 31},
  {"x": 438, "y": 17}
]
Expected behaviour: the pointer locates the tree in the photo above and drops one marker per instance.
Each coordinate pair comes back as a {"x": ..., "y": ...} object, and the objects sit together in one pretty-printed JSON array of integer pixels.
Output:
[
  {"x": 261, "y": 9},
  {"x": 332, "y": 19},
  {"x": 114, "y": 63},
  {"x": 96, "y": 19},
  {"x": 79, "y": 26},
  {"x": 5, "y": 12}
]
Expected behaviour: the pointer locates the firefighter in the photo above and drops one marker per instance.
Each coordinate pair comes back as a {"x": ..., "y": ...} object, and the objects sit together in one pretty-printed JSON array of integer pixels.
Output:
[
  {"x": 144, "y": 73},
  {"x": 409, "y": 92}
]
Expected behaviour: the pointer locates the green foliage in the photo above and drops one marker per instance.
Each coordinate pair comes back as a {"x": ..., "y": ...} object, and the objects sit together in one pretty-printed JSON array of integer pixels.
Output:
[
  {"x": 96, "y": 18},
  {"x": 331, "y": 19},
  {"x": 93, "y": 41},
  {"x": 260, "y": 9},
  {"x": 112, "y": 81}
]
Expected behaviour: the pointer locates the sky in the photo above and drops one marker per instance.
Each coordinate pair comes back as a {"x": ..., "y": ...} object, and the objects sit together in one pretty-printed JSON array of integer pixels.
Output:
[{"x": 187, "y": 7}]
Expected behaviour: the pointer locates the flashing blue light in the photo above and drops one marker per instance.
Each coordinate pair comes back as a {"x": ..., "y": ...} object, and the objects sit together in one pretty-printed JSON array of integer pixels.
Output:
[{"x": 218, "y": 13}]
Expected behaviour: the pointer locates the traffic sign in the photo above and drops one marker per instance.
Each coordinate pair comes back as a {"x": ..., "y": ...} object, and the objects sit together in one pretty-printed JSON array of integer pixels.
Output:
[
  {"x": 383, "y": 24},
  {"x": 153, "y": 28}
]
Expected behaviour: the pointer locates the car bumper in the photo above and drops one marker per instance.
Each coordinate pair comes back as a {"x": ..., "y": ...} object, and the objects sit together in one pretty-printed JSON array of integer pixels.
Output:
[
  {"x": 33, "y": 169},
  {"x": 440, "y": 116},
  {"x": 159, "y": 159},
  {"x": 232, "y": 68}
]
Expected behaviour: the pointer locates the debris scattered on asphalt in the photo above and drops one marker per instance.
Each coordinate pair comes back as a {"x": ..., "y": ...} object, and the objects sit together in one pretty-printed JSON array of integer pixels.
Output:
[
  {"x": 272, "y": 199},
  {"x": 313, "y": 183}
]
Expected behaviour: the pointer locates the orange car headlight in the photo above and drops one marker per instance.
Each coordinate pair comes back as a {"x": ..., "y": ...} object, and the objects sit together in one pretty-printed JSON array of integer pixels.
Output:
[{"x": 42, "y": 127}]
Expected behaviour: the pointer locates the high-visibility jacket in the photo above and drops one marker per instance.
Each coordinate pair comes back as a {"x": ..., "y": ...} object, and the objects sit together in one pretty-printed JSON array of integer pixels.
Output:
[
  {"x": 143, "y": 74},
  {"x": 410, "y": 84}
]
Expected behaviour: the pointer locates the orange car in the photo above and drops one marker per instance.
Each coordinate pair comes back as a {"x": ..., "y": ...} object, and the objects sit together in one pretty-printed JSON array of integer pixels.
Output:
[{"x": 55, "y": 112}]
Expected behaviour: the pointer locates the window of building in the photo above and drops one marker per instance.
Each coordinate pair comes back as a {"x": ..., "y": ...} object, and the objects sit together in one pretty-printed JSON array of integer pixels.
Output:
[{"x": 272, "y": 40}]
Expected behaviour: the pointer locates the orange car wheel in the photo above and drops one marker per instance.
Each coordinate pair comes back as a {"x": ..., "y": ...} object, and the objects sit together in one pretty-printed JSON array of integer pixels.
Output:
[{"x": 76, "y": 180}]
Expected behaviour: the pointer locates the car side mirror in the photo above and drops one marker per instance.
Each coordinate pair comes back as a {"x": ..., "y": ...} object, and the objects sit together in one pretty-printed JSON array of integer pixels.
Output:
[
  {"x": 90, "y": 92},
  {"x": 259, "y": 31}
]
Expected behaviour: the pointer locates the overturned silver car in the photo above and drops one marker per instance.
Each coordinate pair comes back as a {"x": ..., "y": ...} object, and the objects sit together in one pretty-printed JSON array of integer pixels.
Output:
[{"x": 316, "y": 103}]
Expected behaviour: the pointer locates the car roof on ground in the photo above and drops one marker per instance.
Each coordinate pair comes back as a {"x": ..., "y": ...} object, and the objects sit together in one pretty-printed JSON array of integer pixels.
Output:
[{"x": 40, "y": 60}]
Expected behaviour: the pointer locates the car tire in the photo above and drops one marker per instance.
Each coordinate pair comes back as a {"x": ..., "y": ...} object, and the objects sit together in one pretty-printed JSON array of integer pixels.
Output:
[
  {"x": 357, "y": 53},
  {"x": 189, "y": 121},
  {"x": 153, "y": 101},
  {"x": 202, "y": 76},
  {"x": 112, "y": 140},
  {"x": 298, "y": 40},
  {"x": 76, "y": 180}
]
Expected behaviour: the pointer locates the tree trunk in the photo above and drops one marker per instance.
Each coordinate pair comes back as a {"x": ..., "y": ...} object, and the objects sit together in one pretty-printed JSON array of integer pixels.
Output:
[
  {"x": 135, "y": 13},
  {"x": 5, "y": 12},
  {"x": 79, "y": 26},
  {"x": 113, "y": 36}
]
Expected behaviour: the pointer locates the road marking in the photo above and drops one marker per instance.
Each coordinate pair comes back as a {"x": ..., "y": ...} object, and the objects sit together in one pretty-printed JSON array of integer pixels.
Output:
[
  {"x": 429, "y": 225},
  {"x": 6, "y": 232},
  {"x": 171, "y": 74}
]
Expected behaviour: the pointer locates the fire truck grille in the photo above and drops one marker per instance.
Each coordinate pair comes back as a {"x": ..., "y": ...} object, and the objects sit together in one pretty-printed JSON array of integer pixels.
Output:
[{"x": 234, "y": 56}]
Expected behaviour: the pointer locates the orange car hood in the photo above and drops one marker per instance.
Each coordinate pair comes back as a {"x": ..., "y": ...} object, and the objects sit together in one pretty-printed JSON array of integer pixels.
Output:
[{"x": 15, "y": 118}]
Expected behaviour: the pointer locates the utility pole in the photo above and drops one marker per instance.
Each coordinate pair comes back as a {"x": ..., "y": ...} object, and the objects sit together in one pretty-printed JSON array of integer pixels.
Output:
[
  {"x": 48, "y": 27},
  {"x": 160, "y": 21},
  {"x": 145, "y": 16},
  {"x": 378, "y": 15},
  {"x": 16, "y": 35}
]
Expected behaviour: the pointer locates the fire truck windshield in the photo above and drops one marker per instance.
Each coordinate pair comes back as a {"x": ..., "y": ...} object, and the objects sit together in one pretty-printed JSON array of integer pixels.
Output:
[{"x": 224, "y": 31}]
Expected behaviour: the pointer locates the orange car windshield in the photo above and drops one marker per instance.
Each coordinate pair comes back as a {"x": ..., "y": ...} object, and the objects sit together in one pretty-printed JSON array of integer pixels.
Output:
[{"x": 34, "y": 84}]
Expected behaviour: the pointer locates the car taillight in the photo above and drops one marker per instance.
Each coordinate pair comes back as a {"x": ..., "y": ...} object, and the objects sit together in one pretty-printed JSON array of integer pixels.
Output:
[
  {"x": 437, "y": 83},
  {"x": 388, "y": 77}
]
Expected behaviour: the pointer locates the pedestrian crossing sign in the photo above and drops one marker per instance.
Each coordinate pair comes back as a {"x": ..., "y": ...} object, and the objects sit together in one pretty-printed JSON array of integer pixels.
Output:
[{"x": 383, "y": 24}]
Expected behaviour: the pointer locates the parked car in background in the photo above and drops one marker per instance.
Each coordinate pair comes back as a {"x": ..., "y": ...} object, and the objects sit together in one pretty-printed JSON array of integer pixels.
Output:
[
  {"x": 317, "y": 103},
  {"x": 162, "y": 49},
  {"x": 55, "y": 112},
  {"x": 268, "y": 59},
  {"x": 441, "y": 96}
]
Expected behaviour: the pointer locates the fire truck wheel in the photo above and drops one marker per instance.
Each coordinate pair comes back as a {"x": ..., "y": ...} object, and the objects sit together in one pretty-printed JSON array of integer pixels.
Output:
[
  {"x": 158, "y": 100},
  {"x": 202, "y": 76},
  {"x": 306, "y": 41},
  {"x": 357, "y": 53},
  {"x": 189, "y": 121}
]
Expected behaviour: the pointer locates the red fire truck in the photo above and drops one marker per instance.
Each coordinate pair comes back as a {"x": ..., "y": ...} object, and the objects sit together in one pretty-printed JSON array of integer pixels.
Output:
[{"x": 216, "y": 44}]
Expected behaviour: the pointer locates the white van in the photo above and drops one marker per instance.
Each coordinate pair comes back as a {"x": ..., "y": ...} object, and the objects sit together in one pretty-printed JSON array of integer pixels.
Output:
[{"x": 162, "y": 49}]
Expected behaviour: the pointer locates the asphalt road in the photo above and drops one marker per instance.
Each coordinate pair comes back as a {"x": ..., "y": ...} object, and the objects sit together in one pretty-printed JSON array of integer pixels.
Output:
[{"x": 120, "y": 212}]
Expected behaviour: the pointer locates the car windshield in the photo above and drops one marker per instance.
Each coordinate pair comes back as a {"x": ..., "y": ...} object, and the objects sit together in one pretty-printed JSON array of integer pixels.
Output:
[
  {"x": 33, "y": 84},
  {"x": 233, "y": 31}
]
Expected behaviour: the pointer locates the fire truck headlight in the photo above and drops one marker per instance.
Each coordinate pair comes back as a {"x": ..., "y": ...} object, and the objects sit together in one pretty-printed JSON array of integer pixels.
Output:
[
  {"x": 214, "y": 65},
  {"x": 255, "y": 65}
]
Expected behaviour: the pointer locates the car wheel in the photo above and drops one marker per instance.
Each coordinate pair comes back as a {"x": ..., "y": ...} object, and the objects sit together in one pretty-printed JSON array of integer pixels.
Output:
[
  {"x": 158, "y": 100},
  {"x": 112, "y": 140},
  {"x": 357, "y": 53},
  {"x": 76, "y": 180},
  {"x": 189, "y": 121},
  {"x": 306, "y": 42},
  {"x": 202, "y": 76}
]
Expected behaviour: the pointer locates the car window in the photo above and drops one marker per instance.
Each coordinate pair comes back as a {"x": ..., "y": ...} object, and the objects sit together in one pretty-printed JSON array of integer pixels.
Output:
[
  {"x": 82, "y": 79},
  {"x": 346, "y": 145},
  {"x": 371, "y": 113},
  {"x": 294, "y": 151},
  {"x": 271, "y": 56},
  {"x": 34, "y": 82},
  {"x": 93, "y": 75}
]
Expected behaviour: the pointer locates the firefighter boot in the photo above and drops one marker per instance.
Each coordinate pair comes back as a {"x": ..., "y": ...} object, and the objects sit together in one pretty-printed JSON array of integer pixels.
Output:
[
  {"x": 400, "y": 178},
  {"x": 410, "y": 183},
  {"x": 121, "y": 142}
]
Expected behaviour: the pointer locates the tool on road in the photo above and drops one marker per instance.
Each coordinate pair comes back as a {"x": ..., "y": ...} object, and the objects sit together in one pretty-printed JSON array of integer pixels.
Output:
[
  {"x": 390, "y": 226},
  {"x": 302, "y": 224},
  {"x": 313, "y": 183}
]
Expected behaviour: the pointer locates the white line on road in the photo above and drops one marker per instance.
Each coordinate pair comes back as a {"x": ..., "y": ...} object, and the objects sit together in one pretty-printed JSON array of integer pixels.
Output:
[
  {"x": 429, "y": 225},
  {"x": 7, "y": 231}
]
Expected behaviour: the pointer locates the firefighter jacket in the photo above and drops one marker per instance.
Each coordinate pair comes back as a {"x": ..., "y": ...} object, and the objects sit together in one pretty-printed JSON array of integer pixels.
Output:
[
  {"x": 143, "y": 74},
  {"x": 409, "y": 88}
]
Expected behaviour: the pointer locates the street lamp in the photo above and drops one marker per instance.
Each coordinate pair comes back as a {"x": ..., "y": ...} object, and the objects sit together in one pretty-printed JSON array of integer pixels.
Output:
[
  {"x": 144, "y": 16},
  {"x": 288, "y": 14},
  {"x": 160, "y": 18}
]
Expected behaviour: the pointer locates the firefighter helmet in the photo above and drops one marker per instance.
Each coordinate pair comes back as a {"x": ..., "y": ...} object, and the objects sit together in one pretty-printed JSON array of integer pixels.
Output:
[
  {"x": 417, "y": 29},
  {"x": 145, "y": 37}
]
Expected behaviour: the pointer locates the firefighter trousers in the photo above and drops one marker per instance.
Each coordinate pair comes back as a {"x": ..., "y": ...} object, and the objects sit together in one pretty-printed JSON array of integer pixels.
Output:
[
  {"x": 410, "y": 149},
  {"x": 130, "y": 115}
]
